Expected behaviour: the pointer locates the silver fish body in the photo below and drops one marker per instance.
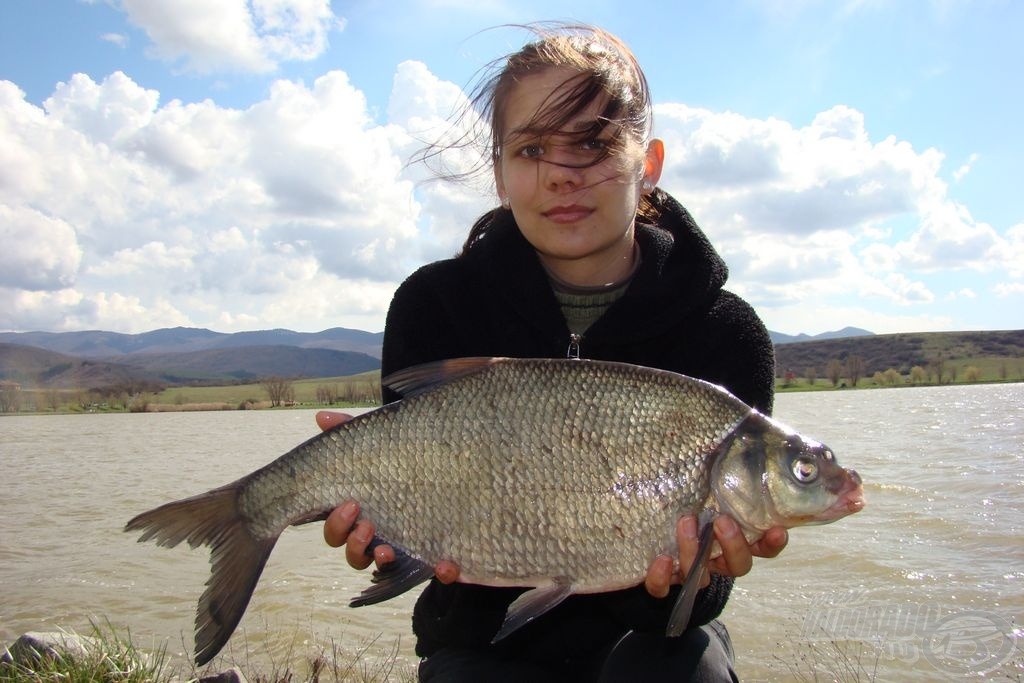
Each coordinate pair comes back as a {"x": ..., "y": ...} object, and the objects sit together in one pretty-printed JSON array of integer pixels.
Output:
[{"x": 563, "y": 475}]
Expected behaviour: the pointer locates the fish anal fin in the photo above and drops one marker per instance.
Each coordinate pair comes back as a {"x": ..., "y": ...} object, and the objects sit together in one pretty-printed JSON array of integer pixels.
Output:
[
  {"x": 531, "y": 605},
  {"x": 236, "y": 557},
  {"x": 680, "y": 616},
  {"x": 396, "y": 577},
  {"x": 419, "y": 379}
]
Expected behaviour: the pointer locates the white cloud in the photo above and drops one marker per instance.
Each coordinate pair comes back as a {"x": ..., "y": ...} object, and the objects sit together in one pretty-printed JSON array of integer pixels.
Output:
[
  {"x": 962, "y": 172},
  {"x": 823, "y": 210},
  {"x": 205, "y": 214},
  {"x": 146, "y": 259},
  {"x": 1009, "y": 289},
  {"x": 39, "y": 252},
  {"x": 234, "y": 35},
  {"x": 965, "y": 293},
  {"x": 1011, "y": 254},
  {"x": 301, "y": 212},
  {"x": 777, "y": 178},
  {"x": 118, "y": 39}
]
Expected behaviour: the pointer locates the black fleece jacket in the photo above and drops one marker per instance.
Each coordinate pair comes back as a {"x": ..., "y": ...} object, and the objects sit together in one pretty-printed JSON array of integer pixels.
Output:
[{"x": 496, "y": 300}]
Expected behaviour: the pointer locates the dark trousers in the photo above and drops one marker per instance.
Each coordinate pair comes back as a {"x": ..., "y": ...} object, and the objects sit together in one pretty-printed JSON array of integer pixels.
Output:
[{"x": 699, "y": 654}]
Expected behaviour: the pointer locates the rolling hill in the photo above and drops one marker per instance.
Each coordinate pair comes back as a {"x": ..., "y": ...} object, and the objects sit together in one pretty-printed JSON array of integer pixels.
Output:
[
  {"x": 904, "y": 351},
  {"x": 190, "y": 356},
  {"x": 38, "y": 368},
  {"x": 112, "y": 345}
]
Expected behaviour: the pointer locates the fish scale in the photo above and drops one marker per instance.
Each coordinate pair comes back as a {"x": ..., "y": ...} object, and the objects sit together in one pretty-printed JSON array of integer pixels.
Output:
[
  {"x": 574, "y": 495},
  {"x": 567, "y": 475}
]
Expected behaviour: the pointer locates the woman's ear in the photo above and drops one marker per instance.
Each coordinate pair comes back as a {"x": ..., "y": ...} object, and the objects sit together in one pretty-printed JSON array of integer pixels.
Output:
[
  {"x": 654, "y": 161},
  {"x": 499, "y": 185}
]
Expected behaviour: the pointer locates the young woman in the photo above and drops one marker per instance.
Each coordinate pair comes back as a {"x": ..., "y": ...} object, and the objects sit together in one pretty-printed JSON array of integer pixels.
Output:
[{"x": 587, "y": 257}]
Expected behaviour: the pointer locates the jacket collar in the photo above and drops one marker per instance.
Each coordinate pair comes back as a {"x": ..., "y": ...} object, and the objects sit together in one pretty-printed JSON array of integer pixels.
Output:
[{"x": 679, "y": 273}]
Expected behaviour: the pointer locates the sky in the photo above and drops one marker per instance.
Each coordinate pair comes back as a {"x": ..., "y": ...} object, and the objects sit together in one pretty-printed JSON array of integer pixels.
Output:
[{"x": 244, "y": 164}]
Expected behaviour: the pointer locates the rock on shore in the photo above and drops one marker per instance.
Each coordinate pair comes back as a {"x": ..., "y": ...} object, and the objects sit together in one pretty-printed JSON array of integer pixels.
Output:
[{"x": 33, "y": 647}]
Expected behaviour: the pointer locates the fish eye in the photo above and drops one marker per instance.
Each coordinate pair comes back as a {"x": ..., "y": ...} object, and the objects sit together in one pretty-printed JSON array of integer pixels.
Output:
[{"x": 805, "y": 470}]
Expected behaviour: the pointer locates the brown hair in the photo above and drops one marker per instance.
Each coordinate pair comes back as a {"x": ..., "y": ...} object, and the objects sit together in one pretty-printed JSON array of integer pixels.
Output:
[{"x": 607, "y": 72}]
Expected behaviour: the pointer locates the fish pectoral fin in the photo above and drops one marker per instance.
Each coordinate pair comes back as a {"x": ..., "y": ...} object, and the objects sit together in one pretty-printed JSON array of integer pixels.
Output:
[
  {"x": 532, "y": 604},
  {"x": 394, "y": 578},
  {"x": 311, "y": 517},
  {"x": 680, "y": 616}
]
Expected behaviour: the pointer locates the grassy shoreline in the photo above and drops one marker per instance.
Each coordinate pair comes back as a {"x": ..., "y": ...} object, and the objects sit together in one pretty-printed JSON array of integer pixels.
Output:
[
  {"x": 241, "y": 397},
  {"x": 151, "y": 404},
  {"x": 109, "y": 654}
]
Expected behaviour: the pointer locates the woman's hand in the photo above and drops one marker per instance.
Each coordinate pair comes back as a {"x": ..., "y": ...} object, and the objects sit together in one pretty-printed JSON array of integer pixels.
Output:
[
  {"x": 736, "y": 559},
  {"x": 343, "y": 526}
]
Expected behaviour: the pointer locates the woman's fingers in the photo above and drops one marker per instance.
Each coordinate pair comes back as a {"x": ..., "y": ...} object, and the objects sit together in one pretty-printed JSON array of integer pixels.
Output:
[
  {"x": 736, "y": 558},
  {"x": 329, "y": 419}
]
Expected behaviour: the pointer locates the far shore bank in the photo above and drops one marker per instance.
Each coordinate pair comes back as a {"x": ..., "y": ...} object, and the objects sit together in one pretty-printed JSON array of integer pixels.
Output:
[{"x": 141, "y": 405}]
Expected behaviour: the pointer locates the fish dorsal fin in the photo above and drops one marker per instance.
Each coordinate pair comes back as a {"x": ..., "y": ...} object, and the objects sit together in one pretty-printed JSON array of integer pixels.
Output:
[{"x": 420, "y": 379}]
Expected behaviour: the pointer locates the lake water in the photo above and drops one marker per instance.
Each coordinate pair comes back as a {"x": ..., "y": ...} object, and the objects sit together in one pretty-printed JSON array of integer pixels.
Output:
[{"x": 927, "y": 583}]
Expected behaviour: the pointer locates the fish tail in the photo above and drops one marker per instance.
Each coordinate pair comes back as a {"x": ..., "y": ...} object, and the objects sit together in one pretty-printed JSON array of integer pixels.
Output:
[{"x": 237, "y": 558}]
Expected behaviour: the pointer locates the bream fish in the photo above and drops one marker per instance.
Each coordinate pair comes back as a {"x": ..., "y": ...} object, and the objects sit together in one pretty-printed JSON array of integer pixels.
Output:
[{"x": 562, "y": 475}]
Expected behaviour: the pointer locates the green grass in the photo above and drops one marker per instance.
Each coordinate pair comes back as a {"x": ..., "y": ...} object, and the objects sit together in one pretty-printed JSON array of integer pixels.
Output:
[
  {"x": 109, "y": 656},
  {"x": 106, "y": 656},
  {"x": 350, "y": 388},
  {"x": 354, "y": 390}
]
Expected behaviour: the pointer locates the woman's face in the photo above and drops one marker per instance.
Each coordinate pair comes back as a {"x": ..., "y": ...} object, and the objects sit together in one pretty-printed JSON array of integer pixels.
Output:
[{"x": 577, "y": 214}]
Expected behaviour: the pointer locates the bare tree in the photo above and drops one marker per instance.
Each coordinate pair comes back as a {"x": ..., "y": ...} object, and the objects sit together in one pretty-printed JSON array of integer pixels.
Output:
[
  {"x": 10, "y": 397},
  {"x": 918, "y": 375},
  {"x": 53, "y": 399},
  {"x": 834, "y": 371},
  {"x": 279, "y": 389},
  {"x": 811, "y": 373},
  {"x": 854, "y": 369}
]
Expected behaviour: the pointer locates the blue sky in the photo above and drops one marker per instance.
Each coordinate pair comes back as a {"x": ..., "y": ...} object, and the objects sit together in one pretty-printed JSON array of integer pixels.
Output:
[{"x": 241, "y": 165}]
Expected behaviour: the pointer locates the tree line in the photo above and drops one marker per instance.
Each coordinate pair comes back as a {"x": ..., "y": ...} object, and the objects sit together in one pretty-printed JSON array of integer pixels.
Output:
[
  {"x": 281, "y": 392},
  {"x": 851, "y": 371}
]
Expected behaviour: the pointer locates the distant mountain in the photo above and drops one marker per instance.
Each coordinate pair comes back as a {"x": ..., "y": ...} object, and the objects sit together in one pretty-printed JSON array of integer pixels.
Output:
[
  {"x": 99, "y": 344},
  {"x": 34, "y": 367},
  {"x": 780, "y": 338},
  {"x": 111, "y": 345},
  {"x": 250, "y": 363},
  {"x": 903, "y": 351},
  {"x": 170, "y": 356}
]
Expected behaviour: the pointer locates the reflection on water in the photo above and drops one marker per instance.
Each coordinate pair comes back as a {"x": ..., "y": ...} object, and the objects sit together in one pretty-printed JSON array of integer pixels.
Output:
[{"x": 926, "y": 583}]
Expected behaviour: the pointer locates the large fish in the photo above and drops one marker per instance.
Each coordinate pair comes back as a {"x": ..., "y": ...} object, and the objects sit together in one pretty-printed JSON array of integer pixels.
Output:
[{"x": 566, "y": 476}]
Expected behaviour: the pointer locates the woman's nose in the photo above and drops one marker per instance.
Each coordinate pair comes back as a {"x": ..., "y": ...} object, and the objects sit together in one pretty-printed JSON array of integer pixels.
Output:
[{"x": 562, "y": 171}]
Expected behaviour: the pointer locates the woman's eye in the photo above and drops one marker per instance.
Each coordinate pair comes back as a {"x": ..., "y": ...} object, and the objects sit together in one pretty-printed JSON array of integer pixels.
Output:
[
  {"x": 531, "y": 151},
  {"x": 805, "y": 471},
  {"x": 594, "y": 145}
]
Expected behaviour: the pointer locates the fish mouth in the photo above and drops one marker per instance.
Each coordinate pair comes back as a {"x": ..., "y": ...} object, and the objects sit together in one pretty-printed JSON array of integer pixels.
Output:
[{"x": 849, "y": 498}]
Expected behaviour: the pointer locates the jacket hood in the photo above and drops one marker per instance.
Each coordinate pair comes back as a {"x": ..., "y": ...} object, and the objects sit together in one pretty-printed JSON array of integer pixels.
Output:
[{"x": 680, "y": 272}]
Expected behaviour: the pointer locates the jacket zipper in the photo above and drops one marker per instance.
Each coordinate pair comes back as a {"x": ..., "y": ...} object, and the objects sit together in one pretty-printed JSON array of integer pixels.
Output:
[{"x": 573, "y": 351}]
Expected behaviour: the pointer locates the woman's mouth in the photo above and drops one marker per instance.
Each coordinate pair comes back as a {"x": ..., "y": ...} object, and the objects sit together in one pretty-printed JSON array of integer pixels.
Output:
[{"x": 567, "y": 214}]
